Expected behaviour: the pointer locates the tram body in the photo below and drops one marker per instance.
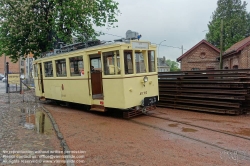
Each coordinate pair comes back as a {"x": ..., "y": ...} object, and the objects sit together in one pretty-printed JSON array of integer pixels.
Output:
[{"x": 125, "y": 76}]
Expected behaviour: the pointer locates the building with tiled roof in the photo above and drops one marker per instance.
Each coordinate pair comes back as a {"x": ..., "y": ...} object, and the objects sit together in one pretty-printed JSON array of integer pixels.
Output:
[
  {"x": 162, "y": 65},
  {"x": 202, "y": 56},
  {"x": 238, "y": 55}
]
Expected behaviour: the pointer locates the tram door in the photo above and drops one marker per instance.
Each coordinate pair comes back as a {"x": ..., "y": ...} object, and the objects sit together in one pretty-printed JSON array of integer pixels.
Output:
[
  {"x": 40, "y": 79},
  {"x": 96, "y": 76}
]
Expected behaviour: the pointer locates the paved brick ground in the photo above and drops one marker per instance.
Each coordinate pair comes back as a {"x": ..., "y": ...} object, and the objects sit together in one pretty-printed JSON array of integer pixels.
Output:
[
  {"x": 13, "y": 135},
  {"x": 118, "y": 142},
  {"x": 114, "y": 141}
]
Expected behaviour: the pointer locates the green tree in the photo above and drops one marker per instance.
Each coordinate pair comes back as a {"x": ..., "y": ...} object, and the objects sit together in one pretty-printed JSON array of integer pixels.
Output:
[
  {"x": 35, "y": 26},
  {"x": 235, "y": 23},
  {"x": 174, "y": 66},
  {"x": 248, "y": 24}
]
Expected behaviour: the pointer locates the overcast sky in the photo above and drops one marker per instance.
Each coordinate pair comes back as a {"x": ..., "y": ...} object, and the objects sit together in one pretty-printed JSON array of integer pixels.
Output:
[{"x": 179, "y": 22}]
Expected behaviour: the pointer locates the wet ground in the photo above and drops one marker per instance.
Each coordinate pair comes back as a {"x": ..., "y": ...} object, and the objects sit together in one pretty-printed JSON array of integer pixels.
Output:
[
  {"x": 107, "y": 139},
  {"x": 25, "y": 130},
  {"x": 111, "y": 140}
]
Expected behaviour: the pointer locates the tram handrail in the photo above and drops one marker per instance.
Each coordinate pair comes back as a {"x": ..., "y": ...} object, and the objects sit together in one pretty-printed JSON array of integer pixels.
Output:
[{"x": 88, "y": 84}]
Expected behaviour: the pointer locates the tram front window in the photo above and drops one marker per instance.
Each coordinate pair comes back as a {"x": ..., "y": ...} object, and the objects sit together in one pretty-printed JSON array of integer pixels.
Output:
[
  {"x": 151, "y": 61},
  {"x": 140, "y": 62},
  {"x": 128, "y": 62}
]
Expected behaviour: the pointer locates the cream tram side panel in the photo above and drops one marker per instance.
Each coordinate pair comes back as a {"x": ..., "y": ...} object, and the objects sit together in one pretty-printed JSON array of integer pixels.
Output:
[
  {"x": 78, "y": 91},
  {"x": 72, "y": 90},
  {"x": 113, "y": 93},
  {"x": 135, "y": 91}
]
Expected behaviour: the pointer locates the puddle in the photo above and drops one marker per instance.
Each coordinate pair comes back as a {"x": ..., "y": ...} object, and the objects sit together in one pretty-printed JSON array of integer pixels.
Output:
[
  {"x": 103, "y": 123},
  {"x": 244, "y": 131},
  {"x": 188, "y": 130},
  {"x": 36, "y": 119},
  {"x": 212, "y": 120},
  {"x": 173, "y": 125}
]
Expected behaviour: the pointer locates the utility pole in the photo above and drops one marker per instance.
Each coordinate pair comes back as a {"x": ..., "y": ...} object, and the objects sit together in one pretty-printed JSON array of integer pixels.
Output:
[
  {"x": 20, "y": 73},
  {"x": 6, "y": 76},
  {"x": 221, "y": 43},
  {"x": 4, "y": 65},
  {"x": 181, "y": 49},
  {"x": 28, "y": 67}
]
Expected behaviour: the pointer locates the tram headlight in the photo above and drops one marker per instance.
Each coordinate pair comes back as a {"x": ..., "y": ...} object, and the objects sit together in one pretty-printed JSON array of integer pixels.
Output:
[{"x": 145, "y": 79}]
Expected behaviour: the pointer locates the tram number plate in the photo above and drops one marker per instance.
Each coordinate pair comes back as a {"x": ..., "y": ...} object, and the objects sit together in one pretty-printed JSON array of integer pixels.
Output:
[{"x": 148, "y": 101}]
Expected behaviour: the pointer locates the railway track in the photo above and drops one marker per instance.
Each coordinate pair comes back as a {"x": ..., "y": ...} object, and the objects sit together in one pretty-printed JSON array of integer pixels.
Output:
[
  {"x": 245, "y": 155},
  {"x": 201, "y": 127}
]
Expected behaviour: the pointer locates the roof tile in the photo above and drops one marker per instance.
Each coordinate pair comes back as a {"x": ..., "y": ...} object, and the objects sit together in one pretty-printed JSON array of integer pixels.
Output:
[
  {"x": 194, "y": 47},
  {"x": 238, "y": 46}
]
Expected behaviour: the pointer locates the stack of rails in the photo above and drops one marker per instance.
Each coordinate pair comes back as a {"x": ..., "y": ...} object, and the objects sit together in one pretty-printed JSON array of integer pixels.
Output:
[{"x": 218, "y": 91}]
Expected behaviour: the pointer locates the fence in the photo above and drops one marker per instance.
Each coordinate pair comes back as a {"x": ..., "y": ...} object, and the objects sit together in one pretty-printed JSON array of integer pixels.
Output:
[{"x": 220, "y": 91}]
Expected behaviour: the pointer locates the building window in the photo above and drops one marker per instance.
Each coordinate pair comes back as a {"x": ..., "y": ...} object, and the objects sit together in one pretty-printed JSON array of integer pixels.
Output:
[
  {"x": 76, "y": 66},
  {"x": 195, "y": 69},
  {"x": 61, "y": 68},
  {"x": 202, "y": 55},
  {"x": 48, "y": 69},
  {"x": 226, "y": 67}
]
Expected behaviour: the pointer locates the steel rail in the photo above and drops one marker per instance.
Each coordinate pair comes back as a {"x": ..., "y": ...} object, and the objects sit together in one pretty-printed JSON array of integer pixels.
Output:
[
  {"x": 229, "y": 97},
  {"x": 200, "y": 102},
  {"x": 188, "y": 90},
  {"x": 182, "y": 135},
  {"x": 181, "y": 122},
  {"x": 201, "y": 109}
]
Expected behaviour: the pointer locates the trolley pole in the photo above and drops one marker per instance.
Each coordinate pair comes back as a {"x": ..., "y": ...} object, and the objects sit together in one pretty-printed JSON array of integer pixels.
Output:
[{"x": 221, "y": 44}]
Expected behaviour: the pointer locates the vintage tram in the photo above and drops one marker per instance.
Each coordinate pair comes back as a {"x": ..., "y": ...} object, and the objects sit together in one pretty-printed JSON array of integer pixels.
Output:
[{"x": 124, "y": 76}]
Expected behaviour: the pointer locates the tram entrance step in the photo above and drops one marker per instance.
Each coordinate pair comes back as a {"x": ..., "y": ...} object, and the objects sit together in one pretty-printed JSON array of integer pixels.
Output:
[{"x": 98, "y": 108}]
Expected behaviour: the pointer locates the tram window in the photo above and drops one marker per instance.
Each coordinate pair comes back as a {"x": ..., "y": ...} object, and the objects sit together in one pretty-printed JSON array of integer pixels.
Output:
[
  {"x": 140, "y": 62},
  {"x": 128, "y": 62},
  {"x": 76, "y": 66},
  {"x": 111, "y": 63},
  {"x": 61, "y": 68},
  {"x": 151, "y": 61},
  {"x": 35, "y": 70},
  {"x": 48, "y": 69}
]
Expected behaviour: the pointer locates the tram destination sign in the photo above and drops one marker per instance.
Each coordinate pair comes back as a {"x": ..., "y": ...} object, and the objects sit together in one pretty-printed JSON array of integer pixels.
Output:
[{"x": 139, "y": 45}]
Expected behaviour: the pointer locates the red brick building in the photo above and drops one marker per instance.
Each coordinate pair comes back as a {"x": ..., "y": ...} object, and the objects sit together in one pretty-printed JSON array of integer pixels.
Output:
[
  {"x": 203, "y": 56},
  {"x": 13, "y": 67},
  {"x": 238, "y": 55}
]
